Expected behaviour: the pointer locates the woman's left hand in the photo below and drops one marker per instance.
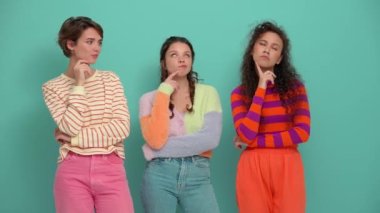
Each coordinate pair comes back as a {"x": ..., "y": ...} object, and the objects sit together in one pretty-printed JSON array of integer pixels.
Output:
[
  {"x": 238, "y": 143},
  {"x": 61, "y": 137}
]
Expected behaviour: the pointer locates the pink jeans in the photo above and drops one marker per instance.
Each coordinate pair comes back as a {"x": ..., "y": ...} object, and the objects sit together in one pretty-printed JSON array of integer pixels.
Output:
[{"x": 84, "y": 183}]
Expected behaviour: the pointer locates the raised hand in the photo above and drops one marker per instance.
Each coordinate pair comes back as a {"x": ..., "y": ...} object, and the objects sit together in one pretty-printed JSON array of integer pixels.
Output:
[
  {"x": 81, "y": 70},
  {"x": 170, "y": 80},
  {"x": 265, "y": 77}
]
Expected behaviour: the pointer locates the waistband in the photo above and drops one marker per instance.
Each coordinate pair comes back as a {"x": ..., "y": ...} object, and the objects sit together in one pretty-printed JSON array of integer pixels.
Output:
[{"x": 181, "y": 159}]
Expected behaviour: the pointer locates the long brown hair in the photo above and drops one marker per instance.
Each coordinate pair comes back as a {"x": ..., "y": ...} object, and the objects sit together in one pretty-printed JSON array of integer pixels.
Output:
[
  {"x": 192, "y": 76},
  {"x": 286, "y": 79}
]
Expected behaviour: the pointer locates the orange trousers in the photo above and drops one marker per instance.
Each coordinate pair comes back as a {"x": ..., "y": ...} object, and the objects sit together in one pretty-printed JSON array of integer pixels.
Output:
[{"x": 270, "y": 181}]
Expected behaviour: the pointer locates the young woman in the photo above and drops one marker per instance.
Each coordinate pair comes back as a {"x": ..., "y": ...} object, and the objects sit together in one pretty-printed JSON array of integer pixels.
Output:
[
  {"x": 271, "y": 117},
  {"x": 90, "y": 110},
  {"x": 181, "y": 123}
]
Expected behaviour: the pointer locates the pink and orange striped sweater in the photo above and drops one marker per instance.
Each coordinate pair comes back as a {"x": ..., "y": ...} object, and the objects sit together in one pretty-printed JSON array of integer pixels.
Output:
[
  {"x": 266, "y": 123},
  {"x": 95, "y": 115}
]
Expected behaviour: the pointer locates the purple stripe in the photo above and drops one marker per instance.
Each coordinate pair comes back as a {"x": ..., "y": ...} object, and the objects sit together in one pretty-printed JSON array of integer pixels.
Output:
[
  {"x": 303, "y": 112},
  {"x": 272, "y": 104},
  {"x": 253, "y": 116},
  {"x": 239, "y": 116},
  {"x": 304, "y": 127},
  {"x": 261, "y": 142},
  {"x": 249, "y": 134},
  {"x": 302, "y": 98},
  {"x": 275, "y": 119},
  {"x": 258, "y": 100},
  {"x": 294, "y": 136},
  {"x": 277, "y": 140},
  {"x": 270, "y": 91},
  {"x": 237, "y": 90},
  {"x": 236, "y": 104}
]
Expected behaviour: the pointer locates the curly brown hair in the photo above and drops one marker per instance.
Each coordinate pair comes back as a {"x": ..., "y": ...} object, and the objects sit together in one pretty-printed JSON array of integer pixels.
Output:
[
  {"x": 192, "y": 76},
  {"x": 287, "y": 77}
]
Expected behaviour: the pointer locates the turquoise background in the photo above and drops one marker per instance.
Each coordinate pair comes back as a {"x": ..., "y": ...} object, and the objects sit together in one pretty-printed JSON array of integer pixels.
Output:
[{"x": 335, "y": 47}]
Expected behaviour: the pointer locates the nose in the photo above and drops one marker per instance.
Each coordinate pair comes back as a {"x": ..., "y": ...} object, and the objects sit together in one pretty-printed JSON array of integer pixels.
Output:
[
  {"x": 97, "y": 47},
  {"x": 266, "y": 50},
  {"x": 181, "y": 59}
]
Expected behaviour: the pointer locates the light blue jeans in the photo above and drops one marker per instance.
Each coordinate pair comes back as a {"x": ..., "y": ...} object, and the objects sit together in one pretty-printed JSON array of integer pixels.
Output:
[{"x": 183, "y": 181}]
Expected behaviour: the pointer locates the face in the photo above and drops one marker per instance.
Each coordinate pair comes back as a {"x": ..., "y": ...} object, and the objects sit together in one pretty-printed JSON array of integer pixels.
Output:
[
  {"x": 266, "y": 51},
  {"x": 87, "y": 47},
  {"x": 178, "y": 57}
]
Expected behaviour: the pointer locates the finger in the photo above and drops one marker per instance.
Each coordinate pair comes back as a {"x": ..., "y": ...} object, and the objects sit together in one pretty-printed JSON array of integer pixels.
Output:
[
  {"x": 171, "y": 76},
  {"x": 258, "y": 68},
  {"x": 81, "y": 61}
]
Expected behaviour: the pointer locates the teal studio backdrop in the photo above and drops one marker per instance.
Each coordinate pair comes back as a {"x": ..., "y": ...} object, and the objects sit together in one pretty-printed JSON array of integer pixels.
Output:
[{"x": 335, "y": 47}]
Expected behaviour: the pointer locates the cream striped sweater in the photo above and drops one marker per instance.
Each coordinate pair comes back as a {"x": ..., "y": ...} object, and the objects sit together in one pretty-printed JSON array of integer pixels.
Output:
[{"x": 95, "y": 115}]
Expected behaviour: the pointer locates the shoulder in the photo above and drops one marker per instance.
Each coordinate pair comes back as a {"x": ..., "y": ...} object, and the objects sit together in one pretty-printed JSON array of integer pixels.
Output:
[
  {"x": 237, "y": 90},
  {"x": 148, "y": 97},
  {"x": 205, "y": 89},
  {"x": 107, "y": 74},
  {"x": 57, "y": 82}
]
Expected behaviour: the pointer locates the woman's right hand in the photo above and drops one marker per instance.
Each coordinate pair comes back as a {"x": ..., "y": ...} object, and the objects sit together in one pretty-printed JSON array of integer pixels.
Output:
[
  {"x": 170, "y": 80},
  {"x": 61, "y": 137},
  {"x": 81, "y": 69},
  {"x": 264, "y": 77}
]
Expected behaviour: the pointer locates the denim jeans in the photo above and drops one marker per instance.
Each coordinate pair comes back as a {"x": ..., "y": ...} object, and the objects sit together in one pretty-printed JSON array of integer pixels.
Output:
[{"x": 183, "y": 181}]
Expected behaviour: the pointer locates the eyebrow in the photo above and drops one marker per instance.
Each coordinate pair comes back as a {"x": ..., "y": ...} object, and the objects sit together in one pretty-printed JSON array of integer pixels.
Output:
[
  {"x": 171, "y": 51},
  {"x": 274, "y": 44},
  {"x": 90, "y": 38}
]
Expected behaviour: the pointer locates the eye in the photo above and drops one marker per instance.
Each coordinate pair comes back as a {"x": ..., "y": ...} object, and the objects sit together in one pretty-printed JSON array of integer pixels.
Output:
[
  {"x": 188, "y": 55},
  {"x": 100, "y": 43},
  {"x": 262, "y": 43},
  {"x": 89, "y": 41},
  {"x": 173, "y": 55}
]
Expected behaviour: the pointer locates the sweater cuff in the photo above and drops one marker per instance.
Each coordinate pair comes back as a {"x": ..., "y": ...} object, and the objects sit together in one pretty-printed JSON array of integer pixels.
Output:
[
  {"x": 166, "y": 88},
  {"x": 78, "y": 90},
  {"x": 75, "y": 141},
  {"x": 260, "y": 92}
]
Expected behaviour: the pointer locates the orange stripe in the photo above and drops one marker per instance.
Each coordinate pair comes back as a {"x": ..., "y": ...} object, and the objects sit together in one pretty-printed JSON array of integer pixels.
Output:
[
  {"x": 238, "y": 110},
  {"x": 274, "y": 127},
  {"x": 273, "y": 111},
  {"x": 269, "y": 141},
  {"x": 286, "y": 139}
]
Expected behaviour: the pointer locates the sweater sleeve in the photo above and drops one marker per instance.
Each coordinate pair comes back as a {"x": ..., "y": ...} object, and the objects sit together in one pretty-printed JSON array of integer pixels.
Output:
[
  {"x": 247, "y": 121},
  {"x": 68, "y": 115},
  {"x": 154, "y": 116},
  {"x": 299, "y": 133},
  {"x": 113, "y": 132},
  {"x": 205, "y": 139}
]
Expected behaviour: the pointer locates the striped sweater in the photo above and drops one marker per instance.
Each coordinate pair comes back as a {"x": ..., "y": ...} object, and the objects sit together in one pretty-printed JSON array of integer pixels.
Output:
[
  {"x": 95, "y": 115},
  {"x": 266, "y": 124},
  {"x": 186, "y": 134}
]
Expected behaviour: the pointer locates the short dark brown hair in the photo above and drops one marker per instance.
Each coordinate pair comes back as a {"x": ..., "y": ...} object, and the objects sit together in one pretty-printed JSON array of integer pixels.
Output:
[{"x": 73, "y": 28}]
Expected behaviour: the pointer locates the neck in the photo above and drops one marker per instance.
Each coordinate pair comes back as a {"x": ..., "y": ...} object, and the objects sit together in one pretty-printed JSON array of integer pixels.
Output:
[
  {"x": 183, "y": 83},
  {"x": 70, "y": 68}
]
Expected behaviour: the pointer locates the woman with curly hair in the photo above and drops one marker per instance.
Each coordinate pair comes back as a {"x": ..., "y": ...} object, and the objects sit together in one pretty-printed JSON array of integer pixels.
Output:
[
  {"x": 181, "y": 123},
  {"x": 271, "y": 117}
]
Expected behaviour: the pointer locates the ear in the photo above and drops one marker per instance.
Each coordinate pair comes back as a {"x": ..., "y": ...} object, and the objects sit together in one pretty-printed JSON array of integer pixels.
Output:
[
  {"x": 70, "y": 44},
  {"x": 163, "y": 66},
  {"x": 279, "y": 60}
]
